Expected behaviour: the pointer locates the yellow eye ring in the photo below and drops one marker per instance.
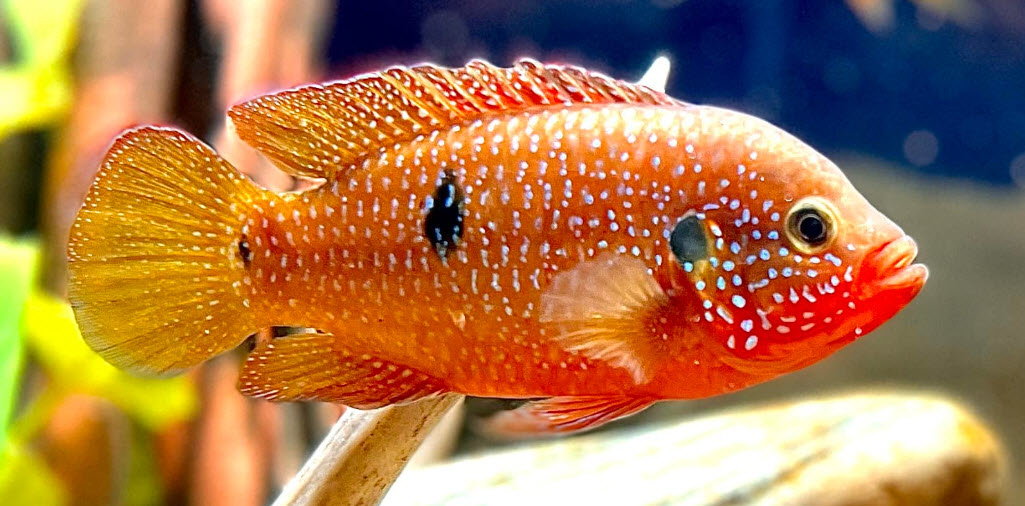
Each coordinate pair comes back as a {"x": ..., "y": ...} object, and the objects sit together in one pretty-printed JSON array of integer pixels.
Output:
[{"x": 811, "y": 225}]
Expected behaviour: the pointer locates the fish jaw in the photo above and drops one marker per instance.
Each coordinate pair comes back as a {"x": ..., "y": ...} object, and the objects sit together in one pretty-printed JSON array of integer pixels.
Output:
[
  {"x": 891, "y": 271},
  {"x": 890, "y": 280}
]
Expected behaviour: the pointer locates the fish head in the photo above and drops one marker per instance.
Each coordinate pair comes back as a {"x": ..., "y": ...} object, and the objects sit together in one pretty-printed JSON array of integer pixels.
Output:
[{"x": 797, "y": 263}]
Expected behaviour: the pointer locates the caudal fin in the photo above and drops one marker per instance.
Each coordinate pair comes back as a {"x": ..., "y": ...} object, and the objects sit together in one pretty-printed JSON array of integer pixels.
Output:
[{"x": 155, "y": 254}]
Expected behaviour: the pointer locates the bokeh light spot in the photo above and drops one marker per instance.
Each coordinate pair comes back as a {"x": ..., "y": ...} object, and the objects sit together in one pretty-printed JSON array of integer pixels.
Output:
[
  {"x": 921, "y": 148},
  {"x": 1018, "y": 170}
]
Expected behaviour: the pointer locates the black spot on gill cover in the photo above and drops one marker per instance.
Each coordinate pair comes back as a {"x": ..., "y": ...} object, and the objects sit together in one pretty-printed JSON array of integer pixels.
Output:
[
  {"x": 689, "y": 241},
  {"x": 443, "y": 225},
  {"x": 243, "y": 250}
]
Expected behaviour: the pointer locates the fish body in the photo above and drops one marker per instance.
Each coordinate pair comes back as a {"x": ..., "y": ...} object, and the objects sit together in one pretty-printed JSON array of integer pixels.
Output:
[{"x": 534, "y": 232}]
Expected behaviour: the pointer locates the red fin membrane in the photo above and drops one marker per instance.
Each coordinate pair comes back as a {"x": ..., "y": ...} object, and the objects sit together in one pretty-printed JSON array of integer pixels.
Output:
[
  {"x": 310, "y": 367},
  {"x": 317, "y": 130},
  {"x": 563, "y": 414}
]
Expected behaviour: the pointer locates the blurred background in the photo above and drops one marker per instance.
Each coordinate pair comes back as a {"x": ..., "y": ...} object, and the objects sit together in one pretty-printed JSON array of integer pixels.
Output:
[{"x": 920, "y": 102}]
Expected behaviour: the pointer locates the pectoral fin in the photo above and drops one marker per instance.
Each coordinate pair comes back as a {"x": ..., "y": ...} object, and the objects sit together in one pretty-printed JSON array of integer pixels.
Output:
[
  {"x": 601, "y": 308},
  {"x": 563, "y": 414},
  {"x": 313, "y": 367}
]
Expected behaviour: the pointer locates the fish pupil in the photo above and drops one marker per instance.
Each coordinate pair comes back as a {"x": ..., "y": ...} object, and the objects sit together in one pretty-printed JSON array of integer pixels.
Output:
[
  {"x": 244, "y": 252},
  {"x": 443, "y": 225},
  {"x": 688, "y": 240},
  {"x": 811, "y": 227}
]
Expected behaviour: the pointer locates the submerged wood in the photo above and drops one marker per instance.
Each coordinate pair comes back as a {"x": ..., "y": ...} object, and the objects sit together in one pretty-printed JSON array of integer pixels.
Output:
[
  {"x": 364, "y": 453},
  {"x": 863, "y": 449}
]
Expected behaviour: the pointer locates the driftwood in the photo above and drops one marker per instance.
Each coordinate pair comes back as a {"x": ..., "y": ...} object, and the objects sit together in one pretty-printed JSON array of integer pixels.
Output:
[
  {"x": 865, "y": 449},
  {"x": 364, "y": 453}
]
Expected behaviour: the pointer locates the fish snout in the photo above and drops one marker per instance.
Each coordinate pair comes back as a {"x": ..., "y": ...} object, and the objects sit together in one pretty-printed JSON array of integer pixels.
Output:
[{"x": 892, "y": 267}]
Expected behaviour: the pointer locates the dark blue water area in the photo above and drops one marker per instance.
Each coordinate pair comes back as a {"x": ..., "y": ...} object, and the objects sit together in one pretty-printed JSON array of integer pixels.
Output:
[{"x": 928, "y": 94}]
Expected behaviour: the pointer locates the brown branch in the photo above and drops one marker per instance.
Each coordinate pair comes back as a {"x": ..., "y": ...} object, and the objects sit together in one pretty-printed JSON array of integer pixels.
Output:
[{"x": 364, "y": 453}]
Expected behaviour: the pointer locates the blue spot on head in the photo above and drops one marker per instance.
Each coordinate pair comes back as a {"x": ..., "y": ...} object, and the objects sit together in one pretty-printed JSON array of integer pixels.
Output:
[{"x": 739, "y": 301}]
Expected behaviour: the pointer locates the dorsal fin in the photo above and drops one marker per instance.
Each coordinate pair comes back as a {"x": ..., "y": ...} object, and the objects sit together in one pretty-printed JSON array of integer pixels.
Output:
[{"x": 319, "y": 130}]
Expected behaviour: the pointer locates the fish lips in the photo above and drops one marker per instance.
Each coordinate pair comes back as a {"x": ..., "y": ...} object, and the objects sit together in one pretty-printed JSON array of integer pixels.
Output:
[{"x": 892, "y": 270}]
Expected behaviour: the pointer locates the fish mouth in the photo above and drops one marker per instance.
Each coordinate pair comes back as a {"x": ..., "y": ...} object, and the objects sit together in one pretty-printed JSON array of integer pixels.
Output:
[{"x": 893, "y": 267}]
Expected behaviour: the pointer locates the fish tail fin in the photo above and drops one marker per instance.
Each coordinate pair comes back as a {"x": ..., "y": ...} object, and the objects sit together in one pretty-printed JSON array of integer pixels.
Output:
[{"x": 157, "y": 254}]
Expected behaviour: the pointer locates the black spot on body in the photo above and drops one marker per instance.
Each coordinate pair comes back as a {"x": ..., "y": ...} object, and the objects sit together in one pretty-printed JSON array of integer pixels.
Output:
[
  {"x": 443, "y": 225},
  {"x": 244, "y": 252},
  {"x": 689, "y": 241}
]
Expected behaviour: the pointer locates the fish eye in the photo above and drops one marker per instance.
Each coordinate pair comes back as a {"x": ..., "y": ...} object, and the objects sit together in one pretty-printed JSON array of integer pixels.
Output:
[{"x": 810, "y": 225}]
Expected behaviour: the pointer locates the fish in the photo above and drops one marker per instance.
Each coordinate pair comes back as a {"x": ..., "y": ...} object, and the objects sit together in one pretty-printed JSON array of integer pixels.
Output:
[{"x": 539, "y": 232}]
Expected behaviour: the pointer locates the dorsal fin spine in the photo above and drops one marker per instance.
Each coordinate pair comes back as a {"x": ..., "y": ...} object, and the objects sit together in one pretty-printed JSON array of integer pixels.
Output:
[
  {"x": 424, "y": 81},
  {"x": 482, "y": 72},
  {"x": 396, "y": 129},
  {"x": 460, "y": 89},
  {"x": 421, "y": 106},
  {"x": 553, "y": 81}
]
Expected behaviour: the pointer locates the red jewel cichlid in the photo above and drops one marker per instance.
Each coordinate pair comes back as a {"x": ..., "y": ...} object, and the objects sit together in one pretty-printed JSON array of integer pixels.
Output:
[{"x": 534, "y": 232}]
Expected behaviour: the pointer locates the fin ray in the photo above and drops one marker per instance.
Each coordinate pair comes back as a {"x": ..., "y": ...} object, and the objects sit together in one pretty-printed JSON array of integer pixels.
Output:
[
  {"x": 154, "y": 275},
  {"x": 564, "y": 414},
  {"x": 599, "y": 308}
]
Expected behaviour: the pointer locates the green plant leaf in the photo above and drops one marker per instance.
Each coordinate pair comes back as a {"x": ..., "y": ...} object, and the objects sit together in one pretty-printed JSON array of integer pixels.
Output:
[
  {"x": 36, "y": 89},
  {"x": 17, "y": 273},
  {"x": 31, "y": 97},
  {"x": 144, "y": 485},
  {"x": 53, "y": 338},
  {"x": 25, "y": 480},
  {"x": 42, "y": 32}
]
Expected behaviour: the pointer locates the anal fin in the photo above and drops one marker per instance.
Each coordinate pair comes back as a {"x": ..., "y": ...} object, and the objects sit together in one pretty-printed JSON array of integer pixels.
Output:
[
  {"x": 312, "y": 367},
  {"x": 564, "y": 414}
]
